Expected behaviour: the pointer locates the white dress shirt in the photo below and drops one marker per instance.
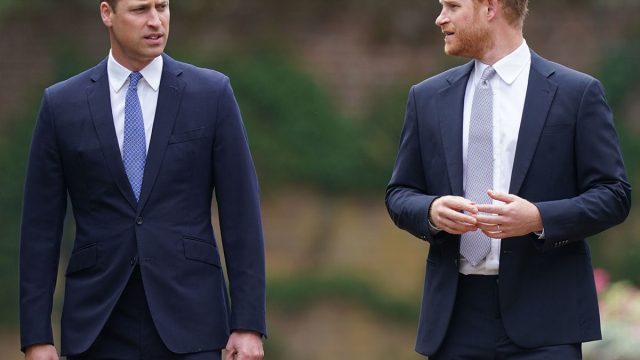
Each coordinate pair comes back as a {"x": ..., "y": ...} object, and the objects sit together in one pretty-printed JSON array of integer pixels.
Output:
[
  {"x": 148, "y": 88},
  {"x": 509, "y": 93}
]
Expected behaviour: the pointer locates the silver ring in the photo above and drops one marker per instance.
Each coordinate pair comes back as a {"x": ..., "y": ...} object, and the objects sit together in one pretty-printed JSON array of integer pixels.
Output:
[{"x": 498, "y": 227}]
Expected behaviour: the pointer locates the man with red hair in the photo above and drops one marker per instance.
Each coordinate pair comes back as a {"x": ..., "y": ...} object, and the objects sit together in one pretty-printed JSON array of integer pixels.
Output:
[{"x": 505, "y": 166}]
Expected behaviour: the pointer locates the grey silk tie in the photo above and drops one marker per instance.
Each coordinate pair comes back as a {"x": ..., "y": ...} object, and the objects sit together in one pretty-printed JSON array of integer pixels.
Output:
[{"x": 475, "y": 246}]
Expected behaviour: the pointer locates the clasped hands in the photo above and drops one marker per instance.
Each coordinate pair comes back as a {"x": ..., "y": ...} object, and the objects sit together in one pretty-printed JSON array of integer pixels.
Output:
[{"x": 514, "y": 217}]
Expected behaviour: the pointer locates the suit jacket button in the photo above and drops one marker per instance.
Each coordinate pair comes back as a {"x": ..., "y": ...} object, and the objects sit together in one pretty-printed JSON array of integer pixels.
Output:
[{"x": 139, "y": 220}]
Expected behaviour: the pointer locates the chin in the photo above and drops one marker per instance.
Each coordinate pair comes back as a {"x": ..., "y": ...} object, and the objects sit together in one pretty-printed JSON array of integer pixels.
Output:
[
  {"x": 155, "y": 53},
  {"x": 451, "y": 51}
]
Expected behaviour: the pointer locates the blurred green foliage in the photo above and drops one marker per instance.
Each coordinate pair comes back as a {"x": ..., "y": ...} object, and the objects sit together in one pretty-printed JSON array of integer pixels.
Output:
[
  {"x": 14, "y": 148},
  {"x": 620, "y": 76},
  {"x": 299, "y": 138},
  {"x": 5, "y": 5},
  {"x": 13, "y": 155},
  {"x": 297, "y": 135},
  {"x": 299, "y": 293},
  {"x": 380, "y": 133}
]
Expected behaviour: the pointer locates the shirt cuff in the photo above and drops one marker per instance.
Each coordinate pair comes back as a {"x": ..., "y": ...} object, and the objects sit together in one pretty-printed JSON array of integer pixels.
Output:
[{"x": 433, "y": 229}]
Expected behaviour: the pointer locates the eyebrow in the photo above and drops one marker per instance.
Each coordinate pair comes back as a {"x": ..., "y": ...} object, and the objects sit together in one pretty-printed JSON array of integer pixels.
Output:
[
  {"x": 145, "y": 4},
  {"x": 138, "y": 4}
]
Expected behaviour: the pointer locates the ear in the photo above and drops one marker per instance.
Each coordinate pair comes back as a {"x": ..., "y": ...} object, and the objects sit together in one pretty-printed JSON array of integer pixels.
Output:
[
  {"x": 493, "y": 6},
  {"x": 105, "y": 13}
]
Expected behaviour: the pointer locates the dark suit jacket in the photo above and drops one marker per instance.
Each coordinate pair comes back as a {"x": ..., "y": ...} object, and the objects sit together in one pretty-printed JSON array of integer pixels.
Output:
[
  {"x": 198, "y": 146},
  {"x": 567, "y": 162}
]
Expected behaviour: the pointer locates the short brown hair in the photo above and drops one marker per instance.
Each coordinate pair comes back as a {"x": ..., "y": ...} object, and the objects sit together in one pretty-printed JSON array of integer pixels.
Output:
[{"x": 515, "y": 10}]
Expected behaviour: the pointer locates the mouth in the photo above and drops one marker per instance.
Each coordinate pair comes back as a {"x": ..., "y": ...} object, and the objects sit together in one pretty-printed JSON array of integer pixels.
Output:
[
  {"x": 448, "y": 34},
  {"x": 154, "y": 37}
]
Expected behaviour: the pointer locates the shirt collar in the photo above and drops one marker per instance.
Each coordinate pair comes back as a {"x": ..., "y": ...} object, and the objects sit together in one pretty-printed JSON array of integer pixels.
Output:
[
  {"x": 510, "y": 66},
  {"x": 118, "y": 74}
]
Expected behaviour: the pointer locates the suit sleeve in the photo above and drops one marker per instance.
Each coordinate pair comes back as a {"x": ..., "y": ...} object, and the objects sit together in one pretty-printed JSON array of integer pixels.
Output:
[
  {"x": 604, "y": 196},
  {"x": 44, "y": 207},
  {"x": 406, "y": 197},
  {"x": 237, "y": 194}
]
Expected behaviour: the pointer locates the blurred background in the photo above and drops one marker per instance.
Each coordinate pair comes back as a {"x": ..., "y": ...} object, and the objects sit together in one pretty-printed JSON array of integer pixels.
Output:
[{"x": 322, "y": 86}]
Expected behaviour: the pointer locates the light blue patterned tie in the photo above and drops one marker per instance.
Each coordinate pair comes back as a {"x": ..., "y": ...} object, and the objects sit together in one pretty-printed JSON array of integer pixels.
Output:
[
  {"x": 475, "y": 246},
  {"x": 134, "y": 147}
]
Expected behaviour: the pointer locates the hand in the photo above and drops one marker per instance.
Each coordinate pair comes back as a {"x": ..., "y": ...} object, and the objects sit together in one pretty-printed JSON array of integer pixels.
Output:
[
  {"x": 244, "y": 345},
  {"x": 447, "y": 213},
  {"x": 516, "y": 217},
  {"x": 41, "y": 352}
]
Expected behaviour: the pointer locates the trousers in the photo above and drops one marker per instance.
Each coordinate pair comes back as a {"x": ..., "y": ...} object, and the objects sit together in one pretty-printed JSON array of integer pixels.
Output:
[
  {"x": 130, "y": 333},
  {"x": 476, "y": 330}
]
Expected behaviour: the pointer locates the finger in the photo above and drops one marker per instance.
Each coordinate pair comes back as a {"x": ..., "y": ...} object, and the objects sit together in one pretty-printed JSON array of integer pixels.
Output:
[
  {"x": 258, "y": 355},
  {"x": 248, "y": 355},
  {"x": 495, "y": 234},
  {"x": 459, "y": 217},
  {"x": 489, "y": 227},
  {"x": 453, "y": 227},
  {"x": 491, "y": 219},
  {"x": 491, "y": 208},
  {"x": 443, "y": 214},
  {"x": 500, "y": 196},
  {"x": 459, "y": 229},
  {"x": 230, "y": 354},
  {"x": 502, "y": 233},
  {"x": 457, "y": 203}
]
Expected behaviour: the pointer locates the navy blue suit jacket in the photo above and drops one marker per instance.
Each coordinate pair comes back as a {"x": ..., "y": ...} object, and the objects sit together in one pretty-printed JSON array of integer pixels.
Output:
[
  {"x": 567, "y": 162},
  {"x": 198, "y": 146}
]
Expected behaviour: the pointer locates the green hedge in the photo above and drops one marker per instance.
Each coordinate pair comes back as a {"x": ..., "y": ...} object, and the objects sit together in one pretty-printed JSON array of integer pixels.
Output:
[
  {"x": 13, "y": 155},
  {"x": 303, "y": 291},
  {"x": 297, "y": 135}
]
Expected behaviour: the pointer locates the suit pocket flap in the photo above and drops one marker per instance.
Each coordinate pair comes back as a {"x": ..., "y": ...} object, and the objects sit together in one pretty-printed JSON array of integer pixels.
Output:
[
  {"x": 83, "y": 259},
  {"x": 201, "y": 251},
  {"x": 188, "y": 135}
]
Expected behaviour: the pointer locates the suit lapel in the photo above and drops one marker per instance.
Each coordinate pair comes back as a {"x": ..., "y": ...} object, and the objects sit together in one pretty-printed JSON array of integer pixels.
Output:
[
  {"x": 169, "y": 98},
  {"x": 450, "y": 112},
  {"x": 540, "y": 93},
  {"x": 99, "y": 99}
]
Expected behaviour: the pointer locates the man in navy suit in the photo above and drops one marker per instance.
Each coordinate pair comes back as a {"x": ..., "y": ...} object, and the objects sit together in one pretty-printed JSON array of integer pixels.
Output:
[
  {"x": 505, "y": 166},
  {"x": 139, "y": 144}
]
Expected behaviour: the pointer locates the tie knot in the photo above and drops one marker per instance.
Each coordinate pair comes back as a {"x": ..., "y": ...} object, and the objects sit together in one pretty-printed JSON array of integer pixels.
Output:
[
  {"x": 134, "y": 77},
  {"x": 488, "y": 73}
]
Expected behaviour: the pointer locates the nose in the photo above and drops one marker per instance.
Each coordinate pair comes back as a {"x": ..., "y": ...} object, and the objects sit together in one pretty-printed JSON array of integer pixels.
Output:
[
  {"x": 442, "y": 18},
  {"x": 154, "y": 18}
]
